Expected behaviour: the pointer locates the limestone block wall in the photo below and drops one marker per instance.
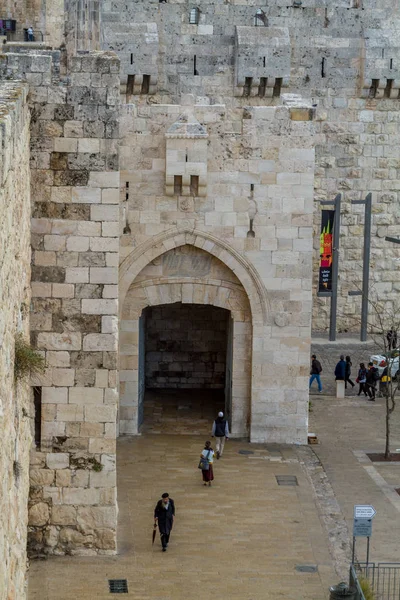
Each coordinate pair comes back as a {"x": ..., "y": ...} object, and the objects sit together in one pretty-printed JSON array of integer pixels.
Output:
[
  {"x": 75, "y": 231},
  {"x": 16, "y": 409},
  {"x": 344, "y": 58},
  {"x": 186, "y": 346},
  {"x": 256, "y": 219}
]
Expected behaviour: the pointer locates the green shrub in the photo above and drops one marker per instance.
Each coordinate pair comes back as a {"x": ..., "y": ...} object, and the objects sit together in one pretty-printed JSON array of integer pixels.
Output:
[
  {"x": 26, "y": 360},
  {"x": 366, "y": 589}
]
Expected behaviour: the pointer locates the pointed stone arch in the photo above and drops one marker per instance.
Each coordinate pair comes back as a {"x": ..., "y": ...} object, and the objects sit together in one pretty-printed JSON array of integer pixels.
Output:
[
  {"x": 219, "y": 287},
  {"x": 146, "y": 252}
]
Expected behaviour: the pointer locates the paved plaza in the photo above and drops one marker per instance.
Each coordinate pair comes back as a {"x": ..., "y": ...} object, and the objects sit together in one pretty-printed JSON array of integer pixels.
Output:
[
  {"x": 244, "y": 537},
  {"x": 348, "y": 429},
  {"x": 240, "y": 539}
]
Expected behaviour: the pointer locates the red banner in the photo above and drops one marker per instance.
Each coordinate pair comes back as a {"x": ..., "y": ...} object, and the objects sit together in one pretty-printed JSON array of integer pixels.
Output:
[{"x": 326, "y": 250}]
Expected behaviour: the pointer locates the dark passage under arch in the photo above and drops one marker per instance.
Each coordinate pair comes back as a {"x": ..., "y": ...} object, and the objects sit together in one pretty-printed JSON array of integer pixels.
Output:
[{"x": 184, "y": 366}]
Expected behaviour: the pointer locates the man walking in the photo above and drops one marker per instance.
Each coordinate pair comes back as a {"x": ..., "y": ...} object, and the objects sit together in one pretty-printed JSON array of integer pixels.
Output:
[
  {"x": 220, "y": 431},
  {"x": 164, "y": 514},
  {"x": 340, "y": 369},
  {"x": 315, "y": 372},
  {"x": 30, "y": 34},
  {"x": 372, "y": 378}
]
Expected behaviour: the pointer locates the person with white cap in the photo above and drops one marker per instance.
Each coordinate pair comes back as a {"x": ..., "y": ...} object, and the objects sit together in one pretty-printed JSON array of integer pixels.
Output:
[{"x": 220, "y": 431}]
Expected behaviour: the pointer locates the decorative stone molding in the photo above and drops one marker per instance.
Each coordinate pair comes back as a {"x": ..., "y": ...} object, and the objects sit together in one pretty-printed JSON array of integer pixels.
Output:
[
  {"x": 262, "y": 60},
  {"x": 186, "y": 157},
  {"x": 161, "y": 243}
]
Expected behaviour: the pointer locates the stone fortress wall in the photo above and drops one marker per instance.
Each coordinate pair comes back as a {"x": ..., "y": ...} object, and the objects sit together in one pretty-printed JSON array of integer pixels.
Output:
[
  {"x": 16, "y": 412},
  {"x": 344, "y": 56},
  {"x": 218, "y": 155},
  {"x": 75, "y": 248}
]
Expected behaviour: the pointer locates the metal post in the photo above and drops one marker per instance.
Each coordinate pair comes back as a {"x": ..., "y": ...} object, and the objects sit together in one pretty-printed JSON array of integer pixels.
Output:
[
  {"x": 367, "y": 550},
  {"x": 335, "y": 269},
  {"x": 365, "y": 286},
  {"x": 354, "y": 550}
]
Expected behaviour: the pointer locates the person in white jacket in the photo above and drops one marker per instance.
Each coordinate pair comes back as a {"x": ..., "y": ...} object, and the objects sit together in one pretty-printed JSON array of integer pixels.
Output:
[{"x": 220, "y": 430}]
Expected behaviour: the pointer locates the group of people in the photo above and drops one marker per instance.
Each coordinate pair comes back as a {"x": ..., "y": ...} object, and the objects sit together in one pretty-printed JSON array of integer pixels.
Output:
[
  {"x": 220, "y": 431},
  {"x": 164, "y": 512},
  {"x": 367, "y": 377}
]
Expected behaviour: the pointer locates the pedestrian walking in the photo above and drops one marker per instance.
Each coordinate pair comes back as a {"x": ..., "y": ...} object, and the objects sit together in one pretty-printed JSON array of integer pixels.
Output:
[
  {"x": 340, "y": 369},
  {"x": 315, "y": 373},
  {"x": 371, "y": 378},
  {"x": 348, "y": 373},
  {"x": 30, "y": 34},
  {"x": 362, "y": 379},
  {"x": 220, "y": 430},
  {"x": 164, "y": 515},
  {"x": 206, "y": 464},
  {"x": 384, "y": 383},
  {"x": 391, "y": 337}
]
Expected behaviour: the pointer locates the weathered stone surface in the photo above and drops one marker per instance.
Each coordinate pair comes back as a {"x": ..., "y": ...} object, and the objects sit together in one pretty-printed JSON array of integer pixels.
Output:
[
  {"x": 15, "y": 401},
  {"x": 39, "y": 514},
  {"x": 96, "y": 517},
  {"x": 63, "y": 515}
]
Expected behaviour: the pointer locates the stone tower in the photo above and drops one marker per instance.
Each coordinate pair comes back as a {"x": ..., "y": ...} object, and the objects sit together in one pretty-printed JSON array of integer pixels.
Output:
[{"x": 178, "y": 154}]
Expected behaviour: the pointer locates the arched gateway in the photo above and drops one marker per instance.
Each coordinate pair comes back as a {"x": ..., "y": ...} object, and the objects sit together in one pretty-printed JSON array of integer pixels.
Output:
[{"x": 186, "y": 269}]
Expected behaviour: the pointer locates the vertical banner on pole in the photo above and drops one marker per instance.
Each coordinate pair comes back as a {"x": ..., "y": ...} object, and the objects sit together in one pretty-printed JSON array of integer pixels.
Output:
[{"x": 326, "y": 251}]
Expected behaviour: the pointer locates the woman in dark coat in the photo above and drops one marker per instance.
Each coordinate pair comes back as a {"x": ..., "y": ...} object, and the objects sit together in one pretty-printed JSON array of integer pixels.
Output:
[
  {"x": 348, "y": 373},
  {"x": 207, "y": 455},
  {"x": 164, "y": 514},
  {"x": 362, "y": 379}
]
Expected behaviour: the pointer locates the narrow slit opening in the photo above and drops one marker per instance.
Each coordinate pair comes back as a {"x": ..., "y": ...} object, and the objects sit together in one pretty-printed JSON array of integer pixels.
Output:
[
  {"x": 37, "y": 403},
  {"x": 262, "y": 87},
  {"x": 130, "y": 85},
  {"x": 277, "y": 87},
  {"x": 145, "y": 84},
  {"x": 374, "y": 88},
  {"x": 194, "y": 185},
  {"x": 247, "y": 86},
  {"x": 388, "y": 88},
  {"x": 178, "y": 184}
]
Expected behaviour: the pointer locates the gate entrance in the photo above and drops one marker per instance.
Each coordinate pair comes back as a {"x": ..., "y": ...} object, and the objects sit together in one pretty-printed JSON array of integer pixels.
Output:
[
  {"x": 185, "y": 367},
  {"x": 185, "y": 333}
]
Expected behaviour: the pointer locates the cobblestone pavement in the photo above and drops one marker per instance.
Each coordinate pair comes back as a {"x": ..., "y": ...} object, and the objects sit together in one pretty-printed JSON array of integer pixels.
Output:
[
  {"x": 346, "y": 430},
  {"x": 240, "y": 539},
  {"x": 328, "y": 354}
]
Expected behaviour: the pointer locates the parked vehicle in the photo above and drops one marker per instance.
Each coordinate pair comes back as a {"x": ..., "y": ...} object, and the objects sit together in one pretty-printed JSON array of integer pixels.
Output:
[{"x": 380, "y": 362}]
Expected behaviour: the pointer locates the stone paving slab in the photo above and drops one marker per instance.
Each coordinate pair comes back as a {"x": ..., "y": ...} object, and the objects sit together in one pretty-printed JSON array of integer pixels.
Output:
[
  {"x": 240, "y": 539},
  {"x": 346, "y": 430}
]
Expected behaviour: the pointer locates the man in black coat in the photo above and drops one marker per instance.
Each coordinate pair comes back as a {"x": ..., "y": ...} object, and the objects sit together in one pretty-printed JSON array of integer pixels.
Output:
[
  {"x": 372, "y": 378},
  {"x": 340, "y": 369},
  {"x": 164, "y": 514}
]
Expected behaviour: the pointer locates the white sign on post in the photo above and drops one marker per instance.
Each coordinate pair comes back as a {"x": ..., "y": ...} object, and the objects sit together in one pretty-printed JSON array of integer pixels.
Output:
[{"x": 364, "y": 511}]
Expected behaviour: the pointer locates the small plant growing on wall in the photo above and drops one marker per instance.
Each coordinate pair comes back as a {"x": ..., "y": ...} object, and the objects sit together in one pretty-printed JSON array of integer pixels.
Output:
[{"x": 27, "y": 362}]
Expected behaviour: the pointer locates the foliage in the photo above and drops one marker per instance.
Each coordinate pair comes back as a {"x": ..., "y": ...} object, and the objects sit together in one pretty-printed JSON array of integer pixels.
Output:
[
  {"x": 366, "y": 589},
  {"x": 26, "y": 360}
]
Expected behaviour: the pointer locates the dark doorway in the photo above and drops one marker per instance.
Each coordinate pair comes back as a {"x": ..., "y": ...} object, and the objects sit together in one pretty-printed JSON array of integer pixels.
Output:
[{"x": 183, "y": 358}]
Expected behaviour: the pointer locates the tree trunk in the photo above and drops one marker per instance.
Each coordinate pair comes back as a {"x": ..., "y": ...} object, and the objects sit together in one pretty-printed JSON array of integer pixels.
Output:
[{"x": 387, "y": 446}]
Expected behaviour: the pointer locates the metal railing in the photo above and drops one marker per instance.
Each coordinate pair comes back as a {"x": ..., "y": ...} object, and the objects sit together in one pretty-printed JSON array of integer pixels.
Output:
[{"x": 383, "y": 579}]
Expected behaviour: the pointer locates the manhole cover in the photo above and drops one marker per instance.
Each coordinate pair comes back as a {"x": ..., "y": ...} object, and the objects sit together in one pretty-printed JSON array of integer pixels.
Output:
[
  {"x": 307, "y": 568},
  {"x": 246, "y": 452},
  {"x": 286, "y": 479},
  {"x": 118, "y": 586}
]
